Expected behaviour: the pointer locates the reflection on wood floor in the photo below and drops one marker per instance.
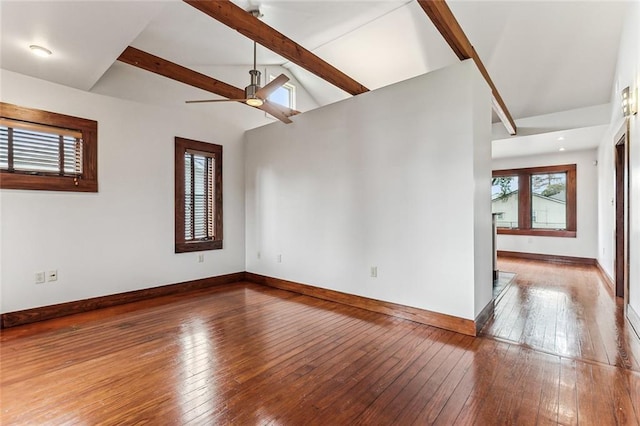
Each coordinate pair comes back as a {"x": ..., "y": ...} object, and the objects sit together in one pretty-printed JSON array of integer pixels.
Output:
[
  {"x": 564, "y": 310},
  {"x": 244, "y": 354}
]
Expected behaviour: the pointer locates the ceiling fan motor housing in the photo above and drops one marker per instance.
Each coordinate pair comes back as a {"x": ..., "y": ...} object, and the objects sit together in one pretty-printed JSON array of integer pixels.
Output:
[{"x": 251, "y": 90}]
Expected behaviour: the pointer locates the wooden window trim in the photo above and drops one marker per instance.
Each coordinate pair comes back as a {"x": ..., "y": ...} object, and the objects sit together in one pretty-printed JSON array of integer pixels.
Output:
[
  {"x": 183, "y": 145},
  {"x": 524, "y": 201},
  {"x": 88, "y": 182}
]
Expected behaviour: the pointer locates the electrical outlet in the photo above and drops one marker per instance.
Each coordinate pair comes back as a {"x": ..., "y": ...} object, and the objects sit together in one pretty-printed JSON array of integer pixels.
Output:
[
  {"x": 374, "y": 272},
  {"x": 52, "y": 275},
  {"x": 258, "y": 255},
  {"x": 40, "y": 277},
  {"x": 279, "y": 258},
  {"x": 200, "y": 258}
]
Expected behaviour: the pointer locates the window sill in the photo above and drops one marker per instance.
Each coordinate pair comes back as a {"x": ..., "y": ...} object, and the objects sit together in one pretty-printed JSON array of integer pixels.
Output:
[
  {"x": 538, "y": 232},
  {"x": 198, "y": 246},
  {"x": 46, "y": 183}
]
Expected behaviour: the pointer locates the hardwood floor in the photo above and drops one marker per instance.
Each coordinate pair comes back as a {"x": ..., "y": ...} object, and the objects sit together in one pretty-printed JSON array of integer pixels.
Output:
[
  {"x": 245, "y": 354},
  {"x": 564, "y": 310}
]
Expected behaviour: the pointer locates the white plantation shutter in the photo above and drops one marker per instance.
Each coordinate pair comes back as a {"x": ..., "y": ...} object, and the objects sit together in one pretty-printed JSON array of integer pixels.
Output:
[
  {"x": 210, "y": 192},
  {"x": 39, "y": 149},
  {"x": 188, "y": 185},
  {"x": 4, "y": 148},
  {"x": 199, "y": 211}
]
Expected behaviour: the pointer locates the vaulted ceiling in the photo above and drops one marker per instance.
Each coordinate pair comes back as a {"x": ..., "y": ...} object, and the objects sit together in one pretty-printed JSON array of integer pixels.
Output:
[{"x": 544, "y": 57}]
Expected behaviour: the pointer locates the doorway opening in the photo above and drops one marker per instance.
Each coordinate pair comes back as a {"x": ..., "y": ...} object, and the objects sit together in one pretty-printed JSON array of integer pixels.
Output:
[{"x": 622, "y": 215}]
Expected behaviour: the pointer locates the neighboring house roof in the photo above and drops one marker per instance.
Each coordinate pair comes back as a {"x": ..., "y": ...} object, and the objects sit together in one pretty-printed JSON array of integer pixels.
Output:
[
  {"x": 557, "y": 198},
  {"x": 560, "y": 196}
]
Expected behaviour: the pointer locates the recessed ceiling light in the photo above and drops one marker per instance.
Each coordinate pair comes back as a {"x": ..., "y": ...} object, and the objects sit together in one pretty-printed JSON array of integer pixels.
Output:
[
  {"x": 561, "y": 148},
  {"x": 40, "y": 51},
  {"x": 561, "y": 138}
]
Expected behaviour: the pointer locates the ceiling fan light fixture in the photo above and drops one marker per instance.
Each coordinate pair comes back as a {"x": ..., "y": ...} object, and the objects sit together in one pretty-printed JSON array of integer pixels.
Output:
[
  {"x": 255, "y": 95},
  {"x": 254, "y": 102}
]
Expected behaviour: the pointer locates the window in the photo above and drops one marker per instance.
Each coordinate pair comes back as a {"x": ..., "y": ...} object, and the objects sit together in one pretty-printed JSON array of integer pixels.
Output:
[
  {"x": 198, "y": 196},
  {"x": 535, "y": 201},
  {"x": 549, "y": 200},
  {"x": 504, "y": 201},
  {"x": 43, "y": 150},
  {"x": 284, "y": 95}
]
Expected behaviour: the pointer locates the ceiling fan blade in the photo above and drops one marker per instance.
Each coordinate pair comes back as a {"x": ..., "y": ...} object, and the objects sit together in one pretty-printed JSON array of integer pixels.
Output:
[
  {"x": 214, "y": 100},
  {"x": 286, "y": 111},
  {"x": 276, "y": 111},
  {"x": 272, "y": 86}
]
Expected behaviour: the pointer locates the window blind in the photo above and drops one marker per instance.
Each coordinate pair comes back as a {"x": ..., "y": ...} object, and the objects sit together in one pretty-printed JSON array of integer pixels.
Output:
[
  {"x": 199, "y": 190},
  {"x": 39, "y": 149}
]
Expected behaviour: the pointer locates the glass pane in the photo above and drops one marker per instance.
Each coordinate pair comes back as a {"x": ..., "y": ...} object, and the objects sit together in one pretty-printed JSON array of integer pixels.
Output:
[
  {"x": 72, "y": 156},
  {"x": 4, "y": 148},
  {"x": 35, "y": 151},
  {"x": 282, "y": 96},
  {"x": 549, "y": 201},
  {"x": 504, "y": 200},
  {"x": 210, "y": 197},
  {"x": 188, "y": 231},
  {"x": 200, "y": 197}
]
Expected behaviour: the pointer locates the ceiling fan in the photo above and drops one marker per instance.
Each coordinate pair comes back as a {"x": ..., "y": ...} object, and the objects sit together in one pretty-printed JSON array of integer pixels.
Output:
[{"x": 256, "y": 96}]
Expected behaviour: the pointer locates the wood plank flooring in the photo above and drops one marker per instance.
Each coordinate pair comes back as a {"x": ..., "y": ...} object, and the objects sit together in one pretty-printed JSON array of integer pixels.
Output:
[
  {"x": 564, "y": 310},
  {"x": 245, "y": 354}
]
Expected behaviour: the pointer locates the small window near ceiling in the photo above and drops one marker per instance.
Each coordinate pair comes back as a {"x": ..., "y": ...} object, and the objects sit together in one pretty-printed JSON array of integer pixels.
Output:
[
  {"x": 285, "y": 95},
  {"x": 198, "y": 196},
  {"x": 47, "y": 151}
]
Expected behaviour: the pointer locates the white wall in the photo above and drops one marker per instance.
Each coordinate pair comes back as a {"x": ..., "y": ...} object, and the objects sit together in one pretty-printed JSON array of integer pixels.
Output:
[
  {"x": 480, "y": 139},
  {"x": 120, "y": 238},
  {"x": 397, "y": 178},
  {"x": 585, "y": 243},
  {"x": 627, "y": 74}
]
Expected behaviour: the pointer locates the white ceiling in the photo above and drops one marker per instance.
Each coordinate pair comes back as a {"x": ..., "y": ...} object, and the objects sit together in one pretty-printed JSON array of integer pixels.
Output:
[
  {"x": 80, "y": 33},
  {"x": 544, "y": 57},
  {"x": 552, "y": 142}
]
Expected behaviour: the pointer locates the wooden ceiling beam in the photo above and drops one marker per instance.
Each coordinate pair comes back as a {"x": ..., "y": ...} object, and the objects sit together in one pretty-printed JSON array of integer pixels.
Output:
[
  {"x": 246, "y": 24},
  {"x": 442, "y": 17},
  {"x": 165, "y": 68},
  {"x": 155, "y": 64}
]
